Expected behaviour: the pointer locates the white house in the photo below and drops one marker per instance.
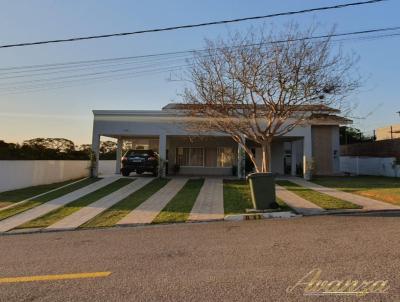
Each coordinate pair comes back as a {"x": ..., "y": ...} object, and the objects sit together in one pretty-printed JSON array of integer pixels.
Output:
[{"x": 316, "y": 142}]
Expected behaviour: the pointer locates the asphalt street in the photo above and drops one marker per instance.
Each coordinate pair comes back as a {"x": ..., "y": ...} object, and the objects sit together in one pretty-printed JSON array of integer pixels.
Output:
[{"x": 222, "y": 261}]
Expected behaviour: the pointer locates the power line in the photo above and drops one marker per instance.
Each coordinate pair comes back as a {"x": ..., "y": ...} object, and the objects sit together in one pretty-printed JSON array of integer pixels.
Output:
[
  {"x": 153, "y": 67},
  {"x": 74, "y": 39},
  {"x": 71, "y": 69},
  {"x": 79, "y": 82},
  {"x": 160, "y": 57}
]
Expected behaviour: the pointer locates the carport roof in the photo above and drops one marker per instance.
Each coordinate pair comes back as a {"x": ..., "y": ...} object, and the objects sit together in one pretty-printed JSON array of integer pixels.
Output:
[{"x": 130, "y": 112}]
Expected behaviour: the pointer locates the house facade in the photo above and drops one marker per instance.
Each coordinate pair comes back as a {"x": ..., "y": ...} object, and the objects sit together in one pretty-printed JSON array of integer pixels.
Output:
[{"x": 313, "y": 145}]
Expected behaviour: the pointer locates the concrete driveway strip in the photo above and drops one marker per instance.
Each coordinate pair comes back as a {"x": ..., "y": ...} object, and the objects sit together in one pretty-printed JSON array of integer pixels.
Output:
[
  {"x": 297, "y": 203},
  {"x": 365, "y": 202},
  {"x": 14, "y": 221},
  {"x": 148, "y": 210},
  {"x": 209, "y": 204},
  {"x": 85, "y": 214}
]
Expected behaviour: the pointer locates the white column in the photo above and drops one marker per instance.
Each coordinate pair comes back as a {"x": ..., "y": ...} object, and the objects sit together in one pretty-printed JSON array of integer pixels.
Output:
[
  {"x": 240, "y": 162},
  {"x": 294, "y": 158},
  {"x": 162, "y": 150},
  {"x": 96, "y": 150},
  {"x": 119, "y": 156},
  {"x": 307, "y": 153}
]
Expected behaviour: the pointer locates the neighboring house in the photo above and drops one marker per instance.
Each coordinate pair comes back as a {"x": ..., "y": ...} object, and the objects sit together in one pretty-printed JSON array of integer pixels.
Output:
[
  {"x": 389, "y": 132},
  {"x": 189, "y": 153}
]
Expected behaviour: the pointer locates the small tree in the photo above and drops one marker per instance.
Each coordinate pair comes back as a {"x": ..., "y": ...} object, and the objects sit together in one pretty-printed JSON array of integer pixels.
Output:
[{"x": 262, "y": 85}]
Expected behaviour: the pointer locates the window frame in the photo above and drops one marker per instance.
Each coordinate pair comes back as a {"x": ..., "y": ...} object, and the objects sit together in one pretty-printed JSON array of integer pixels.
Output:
[
  {"x": 233, "y": 156},
  {"x": 190, "y": 153}
]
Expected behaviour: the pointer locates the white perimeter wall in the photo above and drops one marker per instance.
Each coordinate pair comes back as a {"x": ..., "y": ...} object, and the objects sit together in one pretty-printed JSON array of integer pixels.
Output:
[
  {"x": 15, "y": 174},
  {"x": 380, "y": 166}
]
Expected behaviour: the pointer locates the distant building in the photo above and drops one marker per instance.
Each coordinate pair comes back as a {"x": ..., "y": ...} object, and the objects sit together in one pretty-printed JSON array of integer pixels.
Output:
[{"x": 389, "y": 132}]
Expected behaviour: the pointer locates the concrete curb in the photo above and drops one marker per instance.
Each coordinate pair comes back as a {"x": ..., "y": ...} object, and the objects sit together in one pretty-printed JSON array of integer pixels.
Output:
[
  {"x": 257, "y": 216},
  {"x": 16, "y": 232},
  {"x": 359, "y": 211}
]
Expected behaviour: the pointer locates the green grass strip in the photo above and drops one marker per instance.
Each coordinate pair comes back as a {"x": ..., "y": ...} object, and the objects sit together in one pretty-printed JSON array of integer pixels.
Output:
[
  {"x": 237, "y": 198},
  {"x": 178, "y": 209},
  {"x": 58, "y": 214},
  {"x": 118, "y": 211},
  {"x": 322, "y": 200},
  {"x": 9, "y": 197},
  {"x": 44, "y": 198},
  {"x": 386, "y": 189}
]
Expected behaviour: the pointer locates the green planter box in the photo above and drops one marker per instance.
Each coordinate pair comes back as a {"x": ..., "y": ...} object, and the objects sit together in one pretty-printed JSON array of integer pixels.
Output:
[{"x": 262, "y": 187}]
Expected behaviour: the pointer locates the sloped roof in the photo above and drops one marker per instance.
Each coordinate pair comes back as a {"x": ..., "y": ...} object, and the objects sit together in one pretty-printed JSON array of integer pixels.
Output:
[
  {"x": 312, "y": 108},
  {"x": 330, "y": 117}
]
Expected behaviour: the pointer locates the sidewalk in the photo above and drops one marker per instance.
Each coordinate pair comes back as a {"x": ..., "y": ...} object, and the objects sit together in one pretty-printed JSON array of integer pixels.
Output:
[
  {"x": 368, "y": 204},
  {"x": 297, "y": 203}
]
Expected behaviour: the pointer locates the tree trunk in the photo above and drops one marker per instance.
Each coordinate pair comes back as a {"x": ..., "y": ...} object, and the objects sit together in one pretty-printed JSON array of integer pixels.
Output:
[{"x": 266, "y": 156}]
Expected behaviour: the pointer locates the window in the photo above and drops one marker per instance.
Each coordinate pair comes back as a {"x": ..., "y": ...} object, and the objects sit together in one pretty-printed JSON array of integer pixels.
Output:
[
  {"x": 199, "y": 157},
  {"x": 224, "y": 157},
  {"x": 193, "y": 157}
]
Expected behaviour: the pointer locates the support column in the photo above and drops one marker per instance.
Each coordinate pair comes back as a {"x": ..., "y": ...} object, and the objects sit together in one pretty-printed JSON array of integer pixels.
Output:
[
  {"x": 294, "y": 159},
  {"x": 307, "y": 154},
  {"x": 162, "y": 150},
  {"x": 119, "y": 156},
  {"x": 95, "y": 149},
  {"x": 240, "y": 162}
]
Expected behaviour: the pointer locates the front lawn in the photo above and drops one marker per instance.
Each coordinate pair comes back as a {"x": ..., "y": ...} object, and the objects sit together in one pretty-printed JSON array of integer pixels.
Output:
[
  {"x": 237, "y": 198},
  {"x": 324, "y": 201},
  {"x": 44, "y": 198},
  {"x": 381, "y": 188},
  {"x": 70, "y": 208},
  {"x": 178, "y": 209}
]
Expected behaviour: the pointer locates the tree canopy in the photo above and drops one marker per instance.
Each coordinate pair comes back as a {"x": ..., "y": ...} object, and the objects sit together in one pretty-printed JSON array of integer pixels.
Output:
[
  {"x": 53, "y": 149},
  {"x": 263, "y": 84}
]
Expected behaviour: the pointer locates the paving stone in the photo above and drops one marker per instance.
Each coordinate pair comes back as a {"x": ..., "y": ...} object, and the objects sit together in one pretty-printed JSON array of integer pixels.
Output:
[
  {"x": 14, "y": 221},
  {"x": 148, "y": 210},
  {"x": 297, "y": 203},
  {"x": 209, "y": 204},
  {"x": 85, "y": 214}
]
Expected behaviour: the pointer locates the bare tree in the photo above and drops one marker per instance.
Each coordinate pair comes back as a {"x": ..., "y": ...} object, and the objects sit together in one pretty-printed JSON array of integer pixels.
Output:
[{"x": 261, "y": 85}]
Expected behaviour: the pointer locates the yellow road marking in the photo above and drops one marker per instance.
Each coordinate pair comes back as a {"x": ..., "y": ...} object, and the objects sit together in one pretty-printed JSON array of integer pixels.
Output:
[{"x": 55, "y": 277}]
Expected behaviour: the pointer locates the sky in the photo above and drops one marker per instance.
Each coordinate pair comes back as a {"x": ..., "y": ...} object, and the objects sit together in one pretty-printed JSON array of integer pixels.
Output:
[{"x": 67, "y": 112}]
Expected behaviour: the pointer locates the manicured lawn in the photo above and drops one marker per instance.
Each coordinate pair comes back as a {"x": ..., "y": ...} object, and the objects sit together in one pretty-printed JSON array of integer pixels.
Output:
[
  {"x": 14, "y": 196},
  {"x": 381, "y": 188},
  {"x": 324, "y": 201},
  {"x": 114, "y": 214},
  {"x": 237, "y": 198},
  {"x": 178, "y": 209},
  {"x": 58, "y": 214},
  {"x": 44, "y": 198}
]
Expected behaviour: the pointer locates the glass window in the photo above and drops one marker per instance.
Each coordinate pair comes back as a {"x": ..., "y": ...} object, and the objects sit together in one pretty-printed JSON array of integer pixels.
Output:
[
  {"x": 196, "y": 157},
  {"x": 225, "y": 157},
  {"x": 190, "y": 157}
]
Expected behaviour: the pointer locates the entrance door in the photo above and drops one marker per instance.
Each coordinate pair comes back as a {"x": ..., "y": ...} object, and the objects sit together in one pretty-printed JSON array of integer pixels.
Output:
[{"x": 322, "y": 149}]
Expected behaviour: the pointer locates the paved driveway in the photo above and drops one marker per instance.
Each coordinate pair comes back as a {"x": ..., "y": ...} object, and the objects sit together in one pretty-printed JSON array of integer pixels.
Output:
[{"x": 246, "y": 261}]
